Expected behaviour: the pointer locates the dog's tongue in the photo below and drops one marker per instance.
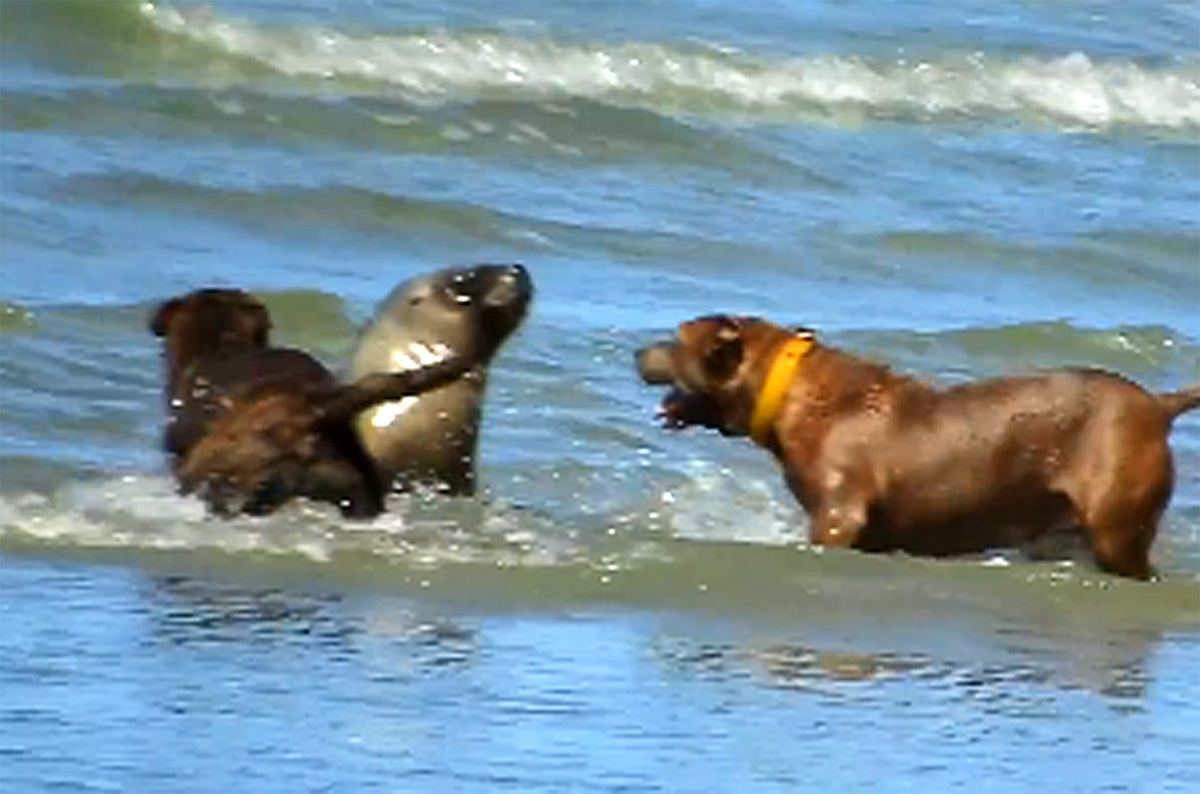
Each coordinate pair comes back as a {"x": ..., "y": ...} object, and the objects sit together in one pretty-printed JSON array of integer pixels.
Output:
[
  {"x": 682, "y": 408},
  {"x": 672, "y": 413}
]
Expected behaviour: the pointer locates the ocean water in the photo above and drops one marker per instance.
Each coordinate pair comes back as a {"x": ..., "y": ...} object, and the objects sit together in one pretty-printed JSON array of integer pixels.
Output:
[{"x": 962, "y": 189}]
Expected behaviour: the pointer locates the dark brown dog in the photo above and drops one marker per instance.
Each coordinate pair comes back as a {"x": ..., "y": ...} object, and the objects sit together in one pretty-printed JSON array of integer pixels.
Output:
[
  {"x": 883, "y": 462},
  {"x": 251, "y": 426}
]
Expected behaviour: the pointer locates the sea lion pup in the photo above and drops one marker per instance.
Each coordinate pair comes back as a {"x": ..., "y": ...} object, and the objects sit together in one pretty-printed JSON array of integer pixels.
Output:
[
  {"x": 431, "y": 439},
  {"x": 250, "y": 425}
]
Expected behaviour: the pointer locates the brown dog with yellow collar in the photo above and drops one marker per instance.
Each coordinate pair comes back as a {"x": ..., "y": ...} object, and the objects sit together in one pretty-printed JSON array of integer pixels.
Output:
[{"x": 884, "y": 462}]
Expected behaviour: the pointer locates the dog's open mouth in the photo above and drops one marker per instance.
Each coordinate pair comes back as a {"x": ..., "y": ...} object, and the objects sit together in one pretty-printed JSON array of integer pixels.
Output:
[{"x": 682, "y": 408}]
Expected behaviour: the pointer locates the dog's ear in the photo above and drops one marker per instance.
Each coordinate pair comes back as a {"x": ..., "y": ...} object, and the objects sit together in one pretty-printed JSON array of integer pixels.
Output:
[
  {"x": 725, "y": 353},
  {"x": 728, "y": 328},
  {"x": 160, "y": 320},
  {"x": 260, "y": 322}
]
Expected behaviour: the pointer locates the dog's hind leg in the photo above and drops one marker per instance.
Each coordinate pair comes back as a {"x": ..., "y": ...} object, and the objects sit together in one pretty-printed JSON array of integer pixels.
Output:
[
  {"x": 1121, "y": 540},
  {"x": 1121, "y": 516}
]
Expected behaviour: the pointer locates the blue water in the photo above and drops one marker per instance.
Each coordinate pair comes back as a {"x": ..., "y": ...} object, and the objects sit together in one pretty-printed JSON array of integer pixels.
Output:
[{"x": 960, "y": 189}]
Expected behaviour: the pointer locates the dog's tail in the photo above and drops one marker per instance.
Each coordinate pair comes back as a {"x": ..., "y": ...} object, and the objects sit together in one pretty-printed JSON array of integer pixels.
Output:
[
  {"x": 1178, "y": 402},
  {"x": 346, "y": 401}
]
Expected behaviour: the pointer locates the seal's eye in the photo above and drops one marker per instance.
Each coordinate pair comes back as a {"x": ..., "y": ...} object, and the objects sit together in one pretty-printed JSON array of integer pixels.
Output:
[
  {"x": 463, "y": 287},
  {"x": 455, "y": 294}
]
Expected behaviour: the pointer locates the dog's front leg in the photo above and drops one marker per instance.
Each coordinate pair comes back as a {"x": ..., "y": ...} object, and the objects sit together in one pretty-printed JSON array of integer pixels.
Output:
[
  {"x": 837, "y": 525},
  {"x": 838, "y": 512}
]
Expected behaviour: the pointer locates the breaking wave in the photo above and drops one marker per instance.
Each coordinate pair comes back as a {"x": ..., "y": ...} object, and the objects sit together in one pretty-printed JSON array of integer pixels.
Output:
[{"x": 1073, "y": 90}]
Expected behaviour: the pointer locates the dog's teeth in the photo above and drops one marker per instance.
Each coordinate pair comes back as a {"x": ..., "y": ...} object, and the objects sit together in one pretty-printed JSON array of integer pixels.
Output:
[
  {"x": 389, "y": 412},
  {"x": 402, "y": 362},
  {"x": 423, "y": 354},
  {"x": 419, "y": 354}
]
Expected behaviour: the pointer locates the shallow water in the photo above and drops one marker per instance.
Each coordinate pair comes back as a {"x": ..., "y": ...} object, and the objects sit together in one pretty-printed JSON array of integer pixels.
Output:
[{"x": 961, "y": 190}]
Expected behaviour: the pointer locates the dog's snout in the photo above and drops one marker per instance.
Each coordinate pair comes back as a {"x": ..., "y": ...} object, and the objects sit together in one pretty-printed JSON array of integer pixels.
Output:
[{"x": 655, "y": 364}]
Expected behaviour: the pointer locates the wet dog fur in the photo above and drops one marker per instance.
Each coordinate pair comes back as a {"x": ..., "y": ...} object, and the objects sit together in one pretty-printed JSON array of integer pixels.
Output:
[
  {"x": 250, "y": 426},
  {"x": 884, "y": 462}
]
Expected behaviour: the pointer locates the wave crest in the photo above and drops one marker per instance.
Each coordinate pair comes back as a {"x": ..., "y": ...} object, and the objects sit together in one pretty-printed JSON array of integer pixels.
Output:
[{"x": 1073, "y": 90}]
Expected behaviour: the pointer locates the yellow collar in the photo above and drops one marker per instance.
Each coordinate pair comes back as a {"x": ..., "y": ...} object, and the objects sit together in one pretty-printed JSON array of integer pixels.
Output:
[{"x": 783, "y": 371}]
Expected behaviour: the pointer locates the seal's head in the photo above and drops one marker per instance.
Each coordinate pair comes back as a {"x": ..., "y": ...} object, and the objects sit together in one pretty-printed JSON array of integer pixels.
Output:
[{"x": 469, "y": 312}]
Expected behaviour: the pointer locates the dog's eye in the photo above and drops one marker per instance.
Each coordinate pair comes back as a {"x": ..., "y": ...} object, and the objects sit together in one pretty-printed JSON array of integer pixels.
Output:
[
  {"x": 724, "y": 357},
  {"x": 413, "y": 301}
]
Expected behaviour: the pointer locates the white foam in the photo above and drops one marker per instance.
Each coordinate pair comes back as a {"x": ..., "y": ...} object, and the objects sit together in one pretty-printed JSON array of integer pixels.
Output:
[
  {"x": 1072, "y": 90},
  {"x": 144, "y": 513},
  {"x": 717, "y": 503}
]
